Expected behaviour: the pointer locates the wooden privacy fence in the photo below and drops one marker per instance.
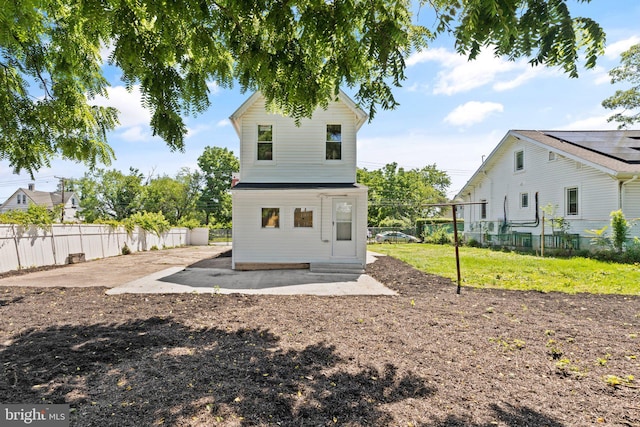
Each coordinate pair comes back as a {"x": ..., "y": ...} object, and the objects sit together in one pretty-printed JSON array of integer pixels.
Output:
[{"x": 26, "y": 247}]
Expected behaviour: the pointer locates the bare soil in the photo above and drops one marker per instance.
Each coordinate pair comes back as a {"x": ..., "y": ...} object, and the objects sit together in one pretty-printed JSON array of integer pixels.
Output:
[{"x": 427, "y": 357}]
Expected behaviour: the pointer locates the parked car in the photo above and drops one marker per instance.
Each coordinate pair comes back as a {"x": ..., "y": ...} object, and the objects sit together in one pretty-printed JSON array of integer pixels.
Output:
[{"x": 395, "y": 237}]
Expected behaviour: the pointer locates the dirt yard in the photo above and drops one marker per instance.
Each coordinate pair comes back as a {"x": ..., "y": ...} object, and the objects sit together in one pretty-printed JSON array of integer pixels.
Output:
[{"x": 424, "y": 358}]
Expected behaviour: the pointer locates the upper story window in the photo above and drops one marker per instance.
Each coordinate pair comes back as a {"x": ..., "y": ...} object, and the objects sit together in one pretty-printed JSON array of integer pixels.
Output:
[
  {"x": 524, "y": 200},
  {"x": 483, "y": 209},
  {"x": 19, "y": 198},
  {"x": 334, "y": 142},
  {"x": 73, "y": 201},
  {"x": 265, "y": 142},
  {"x": 572, "y": 201},
  {"x": 519, "y": 160}
]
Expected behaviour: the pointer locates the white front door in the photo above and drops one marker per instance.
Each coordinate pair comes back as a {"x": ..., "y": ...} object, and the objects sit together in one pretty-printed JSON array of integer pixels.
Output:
[{"x": 344, "y": 228}]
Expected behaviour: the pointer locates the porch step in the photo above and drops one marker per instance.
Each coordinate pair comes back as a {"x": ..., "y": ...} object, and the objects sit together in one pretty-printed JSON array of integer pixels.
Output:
[{"x": 335, "y": 267}]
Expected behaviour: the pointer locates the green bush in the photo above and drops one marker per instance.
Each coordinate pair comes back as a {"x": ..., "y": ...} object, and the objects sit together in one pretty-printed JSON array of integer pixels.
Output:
[
  {"x": 153, "y": 222},
  {"x": 438, "y": 235},
  {"x": 619, "y": 229},
  {"x": 189, "y": 223},
  {"x": 36, "y": 215}
]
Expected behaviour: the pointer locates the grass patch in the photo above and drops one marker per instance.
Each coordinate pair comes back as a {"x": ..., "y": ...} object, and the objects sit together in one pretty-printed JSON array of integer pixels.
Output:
[{"x": 484, "y": 268}]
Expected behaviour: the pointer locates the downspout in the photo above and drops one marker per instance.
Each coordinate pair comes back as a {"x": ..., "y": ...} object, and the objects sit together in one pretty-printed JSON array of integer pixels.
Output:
[{"x": 621, "y": 189}]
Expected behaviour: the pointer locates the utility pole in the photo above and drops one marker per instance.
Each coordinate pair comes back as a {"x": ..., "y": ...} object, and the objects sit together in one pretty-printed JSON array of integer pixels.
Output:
[{"x": 62, "y": 185}]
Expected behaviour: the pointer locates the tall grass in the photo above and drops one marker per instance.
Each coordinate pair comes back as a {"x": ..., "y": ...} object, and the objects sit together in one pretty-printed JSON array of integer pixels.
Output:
[{"x": 484, "y": 268}]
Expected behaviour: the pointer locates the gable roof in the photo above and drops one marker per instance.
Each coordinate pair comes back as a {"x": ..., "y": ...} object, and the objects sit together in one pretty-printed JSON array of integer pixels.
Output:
[
  {"x": 614, "y": 152},
  {"x": 44, "y": 198},
  {"x": 361, "y": 116}
]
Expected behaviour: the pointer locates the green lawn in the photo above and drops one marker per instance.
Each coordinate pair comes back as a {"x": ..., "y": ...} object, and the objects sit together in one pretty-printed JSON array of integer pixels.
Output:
[{"x": 484, "y": 268}]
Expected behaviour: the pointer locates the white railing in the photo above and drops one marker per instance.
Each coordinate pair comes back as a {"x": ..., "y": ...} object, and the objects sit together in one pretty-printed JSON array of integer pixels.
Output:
[{"x": 27, "y": 247}]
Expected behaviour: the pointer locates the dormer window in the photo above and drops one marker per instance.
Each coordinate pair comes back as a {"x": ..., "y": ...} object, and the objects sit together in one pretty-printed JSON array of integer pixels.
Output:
[
  {"x": 265, "y": 142},
  {"x": 519, "y": 161},
  {"x": 334, "y": 142}
]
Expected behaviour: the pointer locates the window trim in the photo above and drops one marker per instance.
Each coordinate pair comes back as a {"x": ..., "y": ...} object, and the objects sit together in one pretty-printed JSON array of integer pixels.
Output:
[
  {"x": 258, "y": 142},
  {"x": 326, "y": 141},
  {"x": 307, "y": 209},
  {"x": 568, "y": 203}
]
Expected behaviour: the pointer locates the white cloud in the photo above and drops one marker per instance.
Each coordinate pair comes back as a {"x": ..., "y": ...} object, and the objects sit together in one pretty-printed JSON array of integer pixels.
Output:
[
  {"x": 472, "y": 112},
  {"x": 418, "y": 87},
  {"x": 193, "y": 131},
  {"x": 614, "y": 50},
  {"x": 223, "y": 123},
  {"x": 458, "y": 74},
  {"x": 595, "y": 122},
  {"x": 136, "y": 134},
  {"x": 129, "y": 104},
  {"x": 214, "y": 88}
]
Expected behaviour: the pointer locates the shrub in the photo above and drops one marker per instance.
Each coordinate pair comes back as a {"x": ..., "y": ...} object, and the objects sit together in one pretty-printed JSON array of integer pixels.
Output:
[
  {"x": 189, "y": 223},
  {"x": 36, "y": 215},
  {"x": 619, "y": 229},
  {"x": 439, "y": 236},
  {"x": 153, "y": 222},
  {"x": 473, "y": 243},
  {"x": 126, "y": 250}
]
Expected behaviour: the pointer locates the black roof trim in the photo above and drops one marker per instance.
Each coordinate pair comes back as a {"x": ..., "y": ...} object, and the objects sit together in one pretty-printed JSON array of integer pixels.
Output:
[{"x": 293, "y": 186}]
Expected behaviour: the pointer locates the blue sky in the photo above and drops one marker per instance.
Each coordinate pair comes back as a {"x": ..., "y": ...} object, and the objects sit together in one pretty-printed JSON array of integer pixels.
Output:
[{"x": 452, "y": 113}]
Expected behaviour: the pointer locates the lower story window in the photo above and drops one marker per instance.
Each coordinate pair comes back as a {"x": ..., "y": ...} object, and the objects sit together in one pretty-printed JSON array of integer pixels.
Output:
[
  {"x": 270, "y": 217},
  {"x": 302, "y": 218},
  {"x": 483, "y": 209}
]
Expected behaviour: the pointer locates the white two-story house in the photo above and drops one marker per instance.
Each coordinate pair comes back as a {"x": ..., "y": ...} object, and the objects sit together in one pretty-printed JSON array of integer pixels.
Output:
[
  {"x": 296, "y": 203},
  {"x": 23, "y": 197}
]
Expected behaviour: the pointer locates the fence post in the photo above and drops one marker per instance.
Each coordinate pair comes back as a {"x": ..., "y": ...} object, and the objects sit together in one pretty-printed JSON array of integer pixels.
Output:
[
  {"x": 15, "y": 241},
  {"x": 53, "y": 245}
]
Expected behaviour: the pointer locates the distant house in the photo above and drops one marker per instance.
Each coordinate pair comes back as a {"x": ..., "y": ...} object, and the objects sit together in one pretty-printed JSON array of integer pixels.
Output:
[
  {"x": 579, "y": 177},
  {"x": 23, "y": 197},
  {"x": 295, "y": 200}
]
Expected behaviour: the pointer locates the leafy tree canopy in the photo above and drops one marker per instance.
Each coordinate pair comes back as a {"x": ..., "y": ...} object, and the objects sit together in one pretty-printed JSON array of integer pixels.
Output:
[
  {"x": 297, "y": 52},
  {"x": 217, "y": 166},
  {"x": 627, "y": 100},
  {"x": 396, "y": 194}
]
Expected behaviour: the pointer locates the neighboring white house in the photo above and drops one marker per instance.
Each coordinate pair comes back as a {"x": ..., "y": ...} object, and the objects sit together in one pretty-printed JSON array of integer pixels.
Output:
[
  {"x": 23, "y": 197},
  {"x": 296, "y": 202},
  {"x": 581, "y": 175}
]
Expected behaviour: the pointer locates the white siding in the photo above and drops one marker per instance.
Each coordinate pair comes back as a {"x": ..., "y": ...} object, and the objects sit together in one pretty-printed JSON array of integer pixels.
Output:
[
  {"x": 286, "y": 244},
  {"x": 597, "y": 192},
  {"x": 631, "y": 205},
  {"x": 298, "y": 151},
  {"x": 12, "y": 203}
]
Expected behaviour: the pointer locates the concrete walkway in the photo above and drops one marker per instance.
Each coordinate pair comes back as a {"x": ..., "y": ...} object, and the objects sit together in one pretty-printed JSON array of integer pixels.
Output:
[
  {"x": 195, "y": 269},
  {"x": 221, "y": 279}
]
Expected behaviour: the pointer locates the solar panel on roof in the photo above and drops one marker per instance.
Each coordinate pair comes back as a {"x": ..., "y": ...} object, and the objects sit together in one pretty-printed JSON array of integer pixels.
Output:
[{"x": 619, "y": 145}]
